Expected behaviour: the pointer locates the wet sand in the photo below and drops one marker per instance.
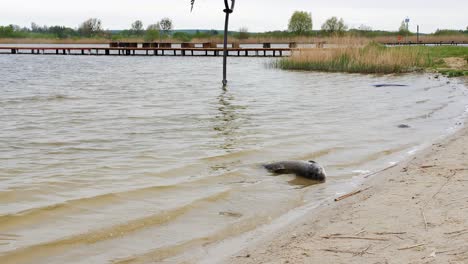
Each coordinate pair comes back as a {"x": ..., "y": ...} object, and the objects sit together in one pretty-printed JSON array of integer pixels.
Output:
[{"x": 415, "y": 212}]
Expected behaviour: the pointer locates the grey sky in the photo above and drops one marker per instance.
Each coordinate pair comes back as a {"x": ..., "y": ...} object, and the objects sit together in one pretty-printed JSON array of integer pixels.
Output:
[{"x": 256, "y": 15}]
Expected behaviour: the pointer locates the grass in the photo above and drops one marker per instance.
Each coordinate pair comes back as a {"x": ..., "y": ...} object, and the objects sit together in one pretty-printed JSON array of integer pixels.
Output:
[{"x": 373, "y": 58}]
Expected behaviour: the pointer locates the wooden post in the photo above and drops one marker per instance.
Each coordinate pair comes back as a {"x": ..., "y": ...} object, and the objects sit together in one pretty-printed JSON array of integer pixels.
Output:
[
  {"x": 63, "y": 52},
  {"x": 107, "y": 51},
  {"x": 13, "y": 51}
]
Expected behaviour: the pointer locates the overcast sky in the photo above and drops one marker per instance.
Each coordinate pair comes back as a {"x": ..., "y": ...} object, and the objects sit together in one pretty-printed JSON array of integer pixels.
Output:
[{"x": 256, "y": 15}]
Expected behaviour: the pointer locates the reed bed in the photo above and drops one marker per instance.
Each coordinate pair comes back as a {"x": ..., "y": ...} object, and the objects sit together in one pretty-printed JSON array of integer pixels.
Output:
[{"x": 371, "y": 58}]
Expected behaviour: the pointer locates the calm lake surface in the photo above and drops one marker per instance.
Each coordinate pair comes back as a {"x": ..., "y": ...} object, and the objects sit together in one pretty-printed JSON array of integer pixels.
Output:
[{"x": 144, "y": 159}]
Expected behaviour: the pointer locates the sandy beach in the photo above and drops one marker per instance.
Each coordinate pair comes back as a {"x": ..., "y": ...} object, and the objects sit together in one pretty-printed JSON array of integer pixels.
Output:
[{"x": 415, "y": 212}]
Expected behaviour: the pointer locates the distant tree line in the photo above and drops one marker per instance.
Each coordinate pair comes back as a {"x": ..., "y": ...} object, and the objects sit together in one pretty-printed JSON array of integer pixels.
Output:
[{"x": 300, "y": 24}]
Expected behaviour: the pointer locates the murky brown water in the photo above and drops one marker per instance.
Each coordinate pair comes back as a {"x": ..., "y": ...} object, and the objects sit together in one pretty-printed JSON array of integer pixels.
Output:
[{"x": 136, "y": 160}]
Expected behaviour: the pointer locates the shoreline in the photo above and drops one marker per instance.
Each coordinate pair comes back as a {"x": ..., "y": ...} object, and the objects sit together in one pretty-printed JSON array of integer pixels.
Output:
[{"x": 412, "y": 212}]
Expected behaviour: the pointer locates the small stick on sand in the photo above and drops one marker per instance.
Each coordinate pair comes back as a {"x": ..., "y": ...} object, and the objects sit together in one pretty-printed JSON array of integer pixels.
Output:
[
  {"x": 355, "y": 237},
  {"x": 350, "y": 194},
  {"x": 459, "y": 234},
  {"x": 424, "y": 218},
  {"x": 341, "y": 251},
  {"x": 455, "y": 232},
  {"x": 374, "y": 173},
  {"x": 441, "y": 187},
  {"x": 427, "y": 166},
  {"x": 410, "y": 247},
  {"x": 355, "y": 253},
  {"x": 360, "y": 232},
  {"x": 390, "y": 233}
]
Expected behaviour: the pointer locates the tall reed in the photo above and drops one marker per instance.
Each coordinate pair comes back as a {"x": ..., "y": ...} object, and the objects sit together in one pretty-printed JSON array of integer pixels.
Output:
[{"x": 371, "y": 58}]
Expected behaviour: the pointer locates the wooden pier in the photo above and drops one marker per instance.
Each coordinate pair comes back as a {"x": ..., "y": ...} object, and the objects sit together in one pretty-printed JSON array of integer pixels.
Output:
[{"x": 187, "y": 50}]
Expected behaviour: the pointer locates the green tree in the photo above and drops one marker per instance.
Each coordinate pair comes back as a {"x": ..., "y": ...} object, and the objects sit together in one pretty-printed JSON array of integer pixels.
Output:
[
  {"x": 363, "y": 27},
  {"x": 403, "y": 30},
  {"x": 62, "y": 32},
  {"x": 300, "y": 22},
  {"x": 243, "y": 33},
  {"x": 333, "y": 25},
  {"x": 182, "y": 36},
  {"x": 152, "y": 32},
  {"x": 166, "y": 25},
  {"x": 6, "y": 31},
  {"x": 137, "y": 27},
  {"x": 90, "y": 27}
]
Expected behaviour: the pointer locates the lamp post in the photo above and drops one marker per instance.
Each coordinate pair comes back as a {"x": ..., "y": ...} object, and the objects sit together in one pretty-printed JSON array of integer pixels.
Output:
[
  {"x": 228, "y": 9},
  {"x": 407, "y": 20}
]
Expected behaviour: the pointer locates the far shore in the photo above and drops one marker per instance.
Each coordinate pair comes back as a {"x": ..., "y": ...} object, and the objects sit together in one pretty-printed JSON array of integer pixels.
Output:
[
  {"x": 446, "y": 39},
  {"x": 415, "y": 212}
]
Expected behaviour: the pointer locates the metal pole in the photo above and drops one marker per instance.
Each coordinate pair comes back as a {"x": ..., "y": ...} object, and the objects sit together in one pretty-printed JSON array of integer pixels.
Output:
[
  {"x": 228, "y": 11},
  {"x": 417, "y": 35}
]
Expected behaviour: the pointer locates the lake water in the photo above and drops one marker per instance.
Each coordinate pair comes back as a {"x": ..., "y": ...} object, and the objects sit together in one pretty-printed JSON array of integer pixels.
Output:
[{"x": 144, "y": 159}]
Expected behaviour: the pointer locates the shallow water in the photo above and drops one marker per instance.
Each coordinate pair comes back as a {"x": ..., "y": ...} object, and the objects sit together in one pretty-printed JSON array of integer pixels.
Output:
[{"x": 139, "y": 159}]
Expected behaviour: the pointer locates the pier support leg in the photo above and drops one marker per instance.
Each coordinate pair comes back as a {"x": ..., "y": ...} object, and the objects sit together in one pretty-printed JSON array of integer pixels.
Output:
[
  {"x": 175, "y": 52},
  {"x": 281, "y": 53},
  {"x": 183, "y": 52},
  {"x": 13, "y": 51},
  {"x": 64, "y": 52},
  {"x": 56, "y": 51},
  {"x": 82, "y": 52},
  {"x": 108, "y": 52}
]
